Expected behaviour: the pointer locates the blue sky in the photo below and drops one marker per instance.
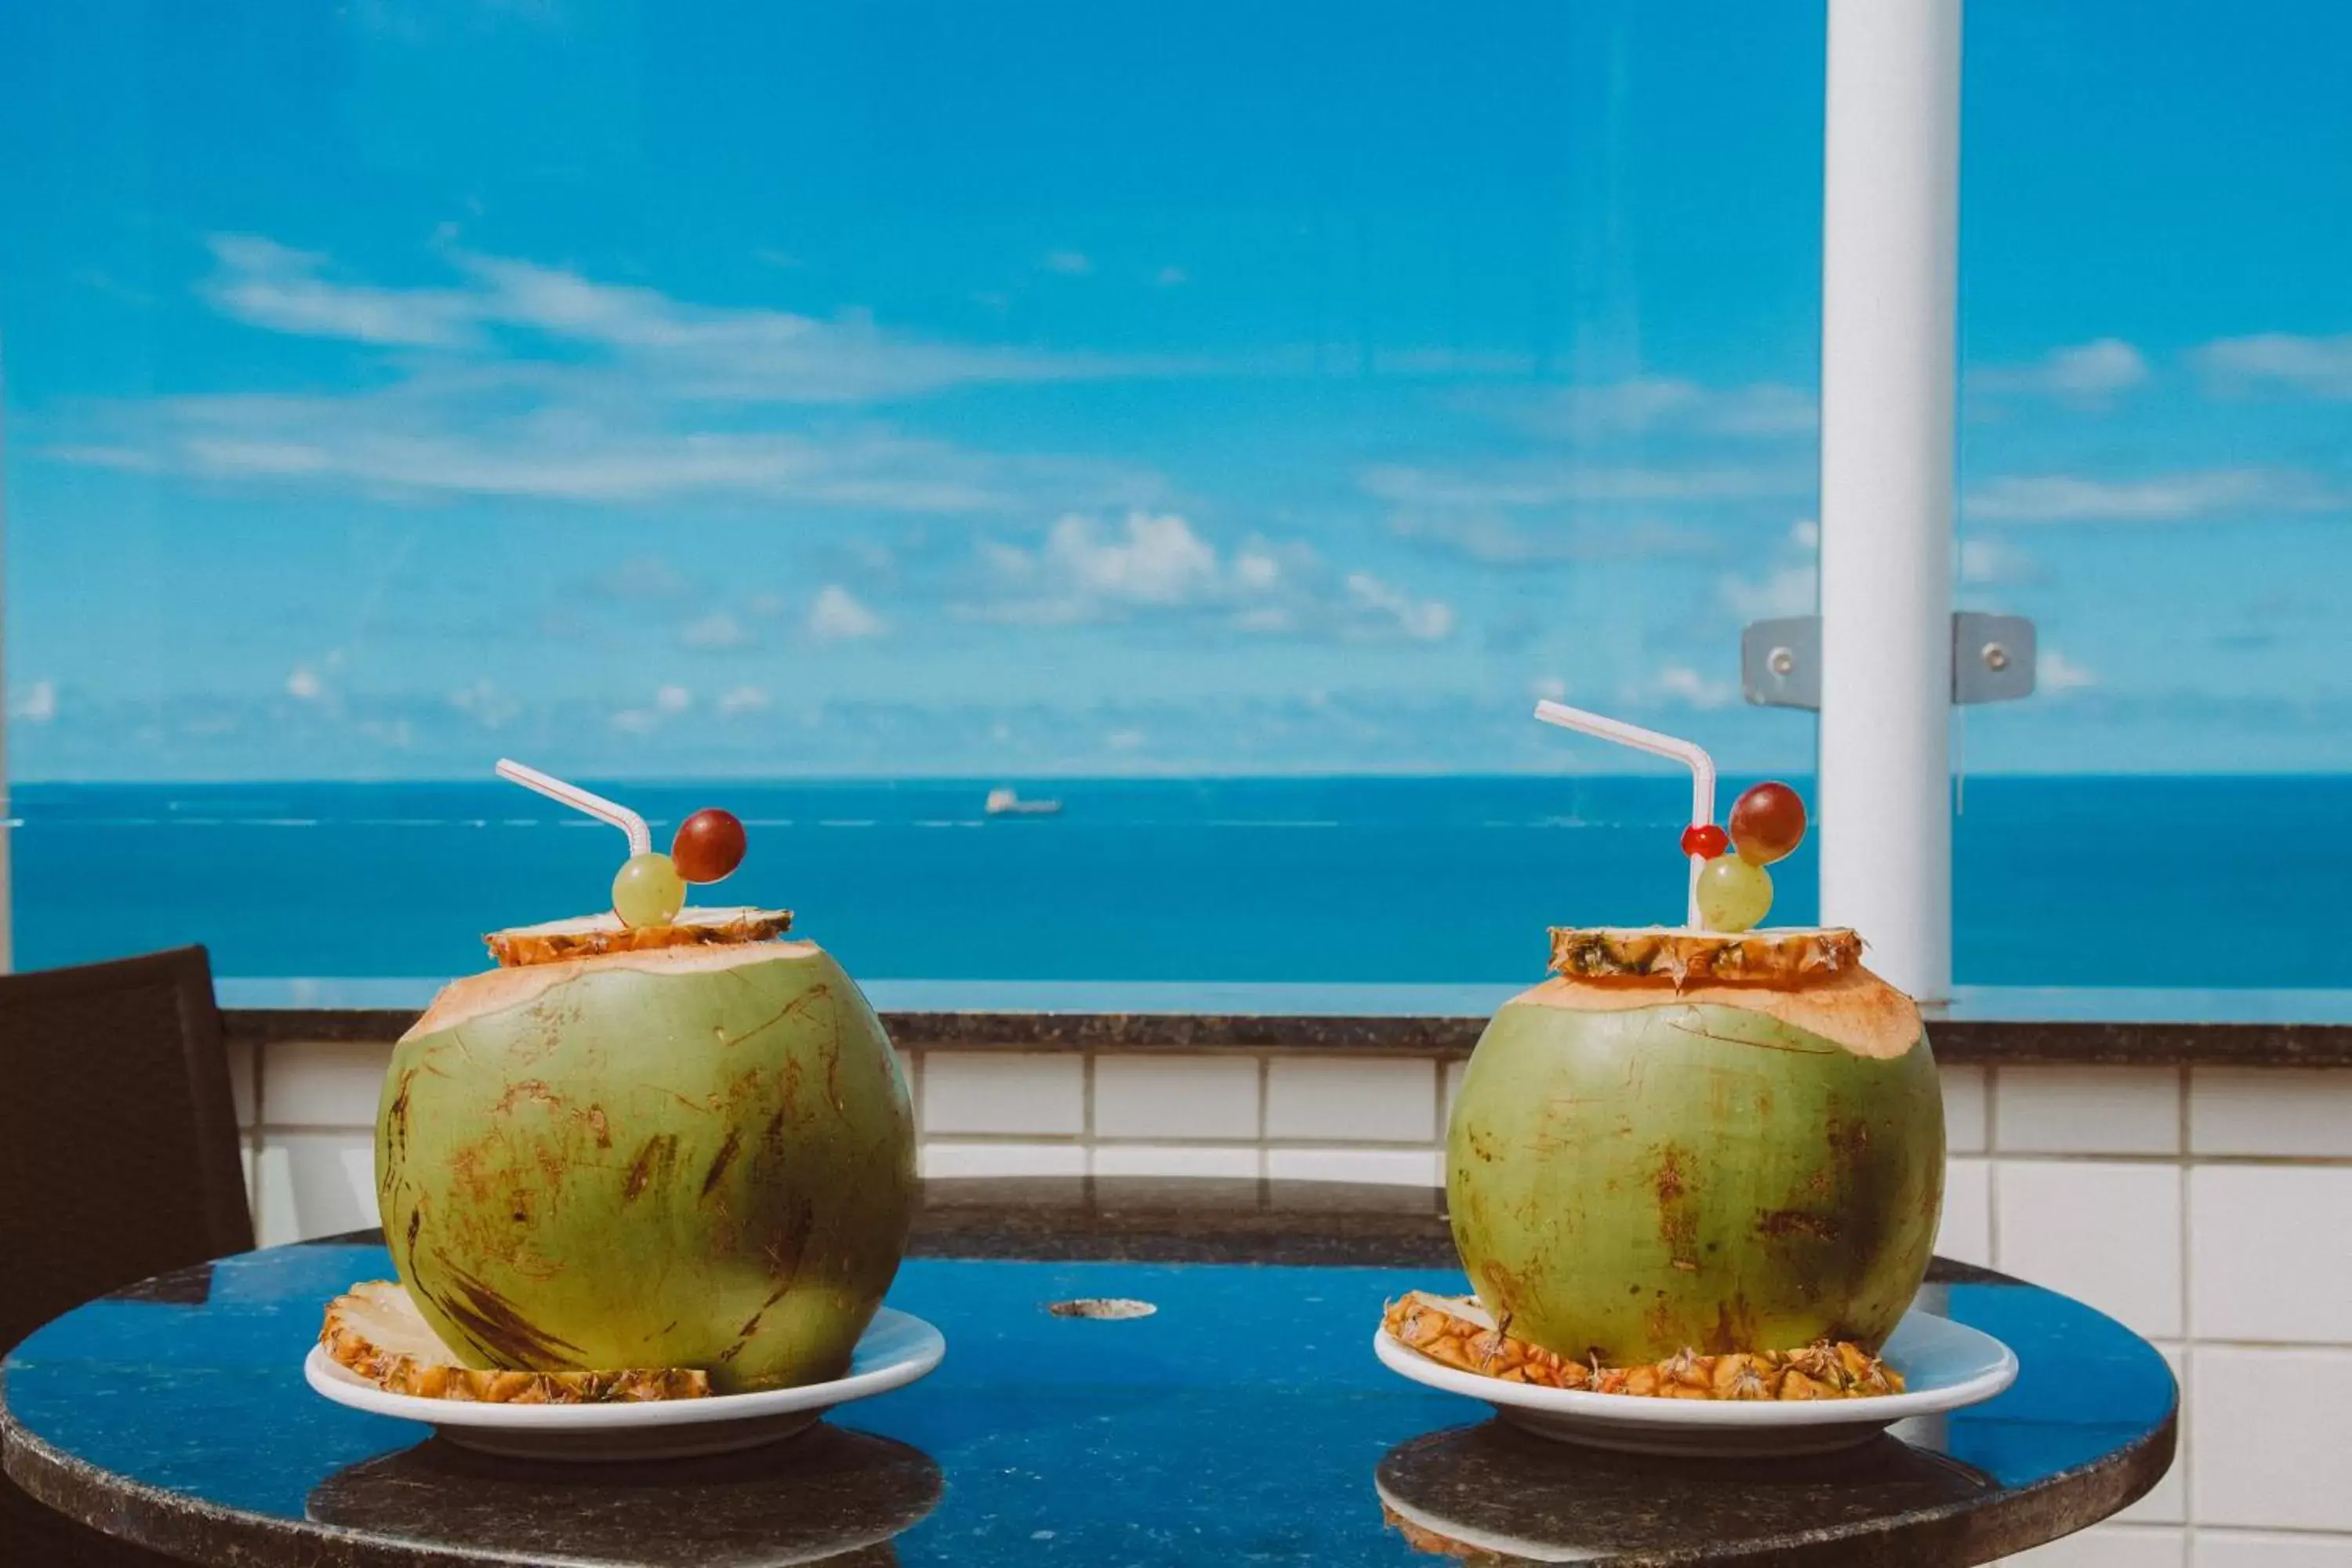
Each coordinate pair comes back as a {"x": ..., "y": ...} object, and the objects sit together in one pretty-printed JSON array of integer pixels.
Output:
[{"x": 1100, "y": 388}]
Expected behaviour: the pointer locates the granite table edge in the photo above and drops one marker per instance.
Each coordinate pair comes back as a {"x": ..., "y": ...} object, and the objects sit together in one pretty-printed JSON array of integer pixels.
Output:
[{"x": 1131, "y": 1220}]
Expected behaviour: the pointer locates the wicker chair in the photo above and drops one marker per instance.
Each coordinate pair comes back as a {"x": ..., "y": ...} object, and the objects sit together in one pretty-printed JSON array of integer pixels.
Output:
[{"x": 117, "y": 1161}]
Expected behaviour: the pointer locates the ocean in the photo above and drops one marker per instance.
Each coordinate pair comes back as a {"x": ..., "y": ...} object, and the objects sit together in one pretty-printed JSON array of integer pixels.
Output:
[{"x": 2165, "y": 882}]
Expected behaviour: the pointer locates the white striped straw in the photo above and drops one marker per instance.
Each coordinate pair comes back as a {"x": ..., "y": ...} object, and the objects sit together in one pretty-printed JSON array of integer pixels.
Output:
[
  {"x": 641, "y": 838},
  {"x": 1687, "y": 753}
]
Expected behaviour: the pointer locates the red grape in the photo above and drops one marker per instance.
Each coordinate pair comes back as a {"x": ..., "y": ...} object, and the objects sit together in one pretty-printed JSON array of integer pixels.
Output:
[
  {"x": 1767, "y": 823},
  {"x": 1706, "y": 840},
  {"x": 708, "y": 844}
]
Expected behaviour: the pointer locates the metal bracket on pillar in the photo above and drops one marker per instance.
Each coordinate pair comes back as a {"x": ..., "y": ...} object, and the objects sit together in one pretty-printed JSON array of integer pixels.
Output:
[{"x": 1780, "y": 660}]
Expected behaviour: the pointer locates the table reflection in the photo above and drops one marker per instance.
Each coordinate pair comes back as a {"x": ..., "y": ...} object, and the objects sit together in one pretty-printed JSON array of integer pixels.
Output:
[
  {"x": 1490, "y": 1492},
  {"x": 829, "y": 1495}
]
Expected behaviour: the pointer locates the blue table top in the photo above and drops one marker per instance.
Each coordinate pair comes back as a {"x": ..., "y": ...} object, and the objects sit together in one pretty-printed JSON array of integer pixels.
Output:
[{"x": 1245, "y": 1419}]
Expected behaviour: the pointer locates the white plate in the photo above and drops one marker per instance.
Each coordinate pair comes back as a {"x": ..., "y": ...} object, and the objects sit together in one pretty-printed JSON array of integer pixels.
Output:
[
  {"x": 1945, "y": 1366},
  {"x": 896, "y": 1349}
]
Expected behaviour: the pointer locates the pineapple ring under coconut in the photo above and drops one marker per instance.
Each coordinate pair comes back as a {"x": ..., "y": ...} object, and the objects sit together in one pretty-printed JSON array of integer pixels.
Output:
[{"x": 376, "y": 1330}]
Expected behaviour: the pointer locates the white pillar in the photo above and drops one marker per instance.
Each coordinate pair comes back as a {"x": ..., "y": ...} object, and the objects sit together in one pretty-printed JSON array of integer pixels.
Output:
[{"x": 1890, "y": 224}]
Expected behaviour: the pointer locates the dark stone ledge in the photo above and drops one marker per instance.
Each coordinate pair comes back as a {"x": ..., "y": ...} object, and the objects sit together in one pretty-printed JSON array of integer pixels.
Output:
[{"x": 1980, "y": 1039}]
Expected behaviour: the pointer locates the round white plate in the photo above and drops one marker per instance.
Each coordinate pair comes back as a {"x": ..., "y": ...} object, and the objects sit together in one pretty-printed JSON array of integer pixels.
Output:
[
  {"x": 1945, "y": 1366},
  {"x": 896, "y": 1349}
]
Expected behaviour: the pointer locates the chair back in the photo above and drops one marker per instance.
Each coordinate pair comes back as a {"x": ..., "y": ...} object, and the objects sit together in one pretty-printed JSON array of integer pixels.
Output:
[{"x": 118, "y": 1133}]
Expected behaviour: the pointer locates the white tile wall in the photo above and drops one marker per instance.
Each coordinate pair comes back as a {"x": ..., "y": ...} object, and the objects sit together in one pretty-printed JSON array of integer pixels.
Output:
[
  {"x": 1964, "y": 1110},
  {"x": 947, "y": 1158},
  {"x": 1176, "y": 1097},
  {"x": 313, "y": 1183},
  {"x": 2167, "y": 1501},
  {"x": 1453, "y": 1071},
  {"x": 2282, "y": 1112},
  {"x": 1004, "y": 1091},
  {"x": 1394, "y": 1167},
  {"x": 1965, "y": 1233},
  {"x": 2107, "y": 1234},
  {"x": 1176, "y": 1159},
  {"x": 2272, "y": 1255},
  {"x": 241, "y": 1059},
  {"x": 326, "y": 1083},
  {"x": 2087, "y": 1109},
  {"x": 2252, "y": 1549},
  {"x": 2272, "y": 1431},
  {"x": 1359, "y": 1099},
  {"x": 910, "y": 1067},
  {"x": 2110, "y": 1546}
]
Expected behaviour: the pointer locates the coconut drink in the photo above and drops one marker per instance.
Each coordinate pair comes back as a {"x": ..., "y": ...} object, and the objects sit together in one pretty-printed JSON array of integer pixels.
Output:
[
  {"x": 1704, "y": 1161},
  {"x": 661, "y": 1137}
]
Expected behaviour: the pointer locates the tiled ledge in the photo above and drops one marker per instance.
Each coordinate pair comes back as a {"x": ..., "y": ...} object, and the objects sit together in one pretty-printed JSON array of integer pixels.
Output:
[{"x": 2145, "y": 1029}]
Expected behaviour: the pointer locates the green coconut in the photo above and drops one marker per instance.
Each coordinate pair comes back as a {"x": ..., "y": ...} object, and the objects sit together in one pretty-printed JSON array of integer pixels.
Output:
[
  {"x": 694, "y": 1157},
  {"x": 1634, "y": 1170}
]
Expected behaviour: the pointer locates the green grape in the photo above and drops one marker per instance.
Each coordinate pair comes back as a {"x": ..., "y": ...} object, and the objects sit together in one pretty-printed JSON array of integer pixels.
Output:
[
  {"x": 648, "y": 891},
  {"x": 1733, "y": 894}
]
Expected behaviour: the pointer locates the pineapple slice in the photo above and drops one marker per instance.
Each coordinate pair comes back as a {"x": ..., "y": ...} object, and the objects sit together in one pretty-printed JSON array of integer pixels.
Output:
[
  {"x": 377, "y": 1331},
  {"x": 591, "y": 936},
  {"x": 1783, "y": 955},
  {"x": 1458, "y": 1333}
]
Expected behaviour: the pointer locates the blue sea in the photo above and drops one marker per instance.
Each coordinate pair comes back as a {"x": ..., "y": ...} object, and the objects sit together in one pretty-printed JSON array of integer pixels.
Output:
[{"x": 2162, "y": 882}]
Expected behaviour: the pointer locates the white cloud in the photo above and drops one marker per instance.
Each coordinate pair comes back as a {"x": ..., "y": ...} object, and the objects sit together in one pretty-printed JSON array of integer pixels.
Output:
[
  {"x": 2068, "y": 497},
  {"x": 1805, "y": 533},
  {"x": 437, "y": 436},
  {"x": 1153, "y": 561},
  {"x": 642, "y": 577},
  {"x": 265, "y": 284},
  {"x": 1493, "y": 537},
  {"x": 1088, "y": 571},
  {"x": 836, "y": 615},
  {"x": 519, "y": 379},
  {"x": 1125, "y": 740},
  {"x": 1790, "y": 591},
  {"x": 2320, "y": 367},
  {"x": 304, "y": 685},
  {"x": 1682, "y": 685},
  {"x": 713, "y": 351},
  {"x": 637, "y": 722},
  {"x": 2055, "y": 674},
  {"x": 673, "y": 699},
  {"x": 742, "y": 699},
  {"x": 1424, "y": 620},
  {"x": 37, "y": 704},
  {"x": 1986, "y": 560},
  {"x": 1645, "y": 403},
  {"x": 1068, "y": 263},
  {"x": 484, "y": 703},
  {"x": 1554, "y": 483},
  {"x": 716, "y": 630},
  {"x": 2086, "y": 374},
  {"x": 1549, "y": 688},
  {"x": 1256, "y": 570}
]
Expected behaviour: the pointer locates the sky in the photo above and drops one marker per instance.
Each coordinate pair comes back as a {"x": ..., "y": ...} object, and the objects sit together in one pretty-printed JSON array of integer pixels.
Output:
[{"x": 1065, "y": 388}]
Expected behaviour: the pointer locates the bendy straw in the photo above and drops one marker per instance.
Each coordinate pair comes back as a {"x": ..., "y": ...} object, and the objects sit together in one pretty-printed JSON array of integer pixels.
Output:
[
  {"x": 1687, "y": 753},
  {"x": 641, "y": 838}
]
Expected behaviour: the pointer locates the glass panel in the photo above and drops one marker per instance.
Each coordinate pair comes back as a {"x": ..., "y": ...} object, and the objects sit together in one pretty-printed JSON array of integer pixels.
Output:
[
  {"x": 2158, "y": 346},
  {"x": 860, "y": 409}
]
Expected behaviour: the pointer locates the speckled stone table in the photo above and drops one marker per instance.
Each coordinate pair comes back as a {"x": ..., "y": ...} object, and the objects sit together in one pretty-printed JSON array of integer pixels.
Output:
[{"x": 1244, "y": 1420}]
